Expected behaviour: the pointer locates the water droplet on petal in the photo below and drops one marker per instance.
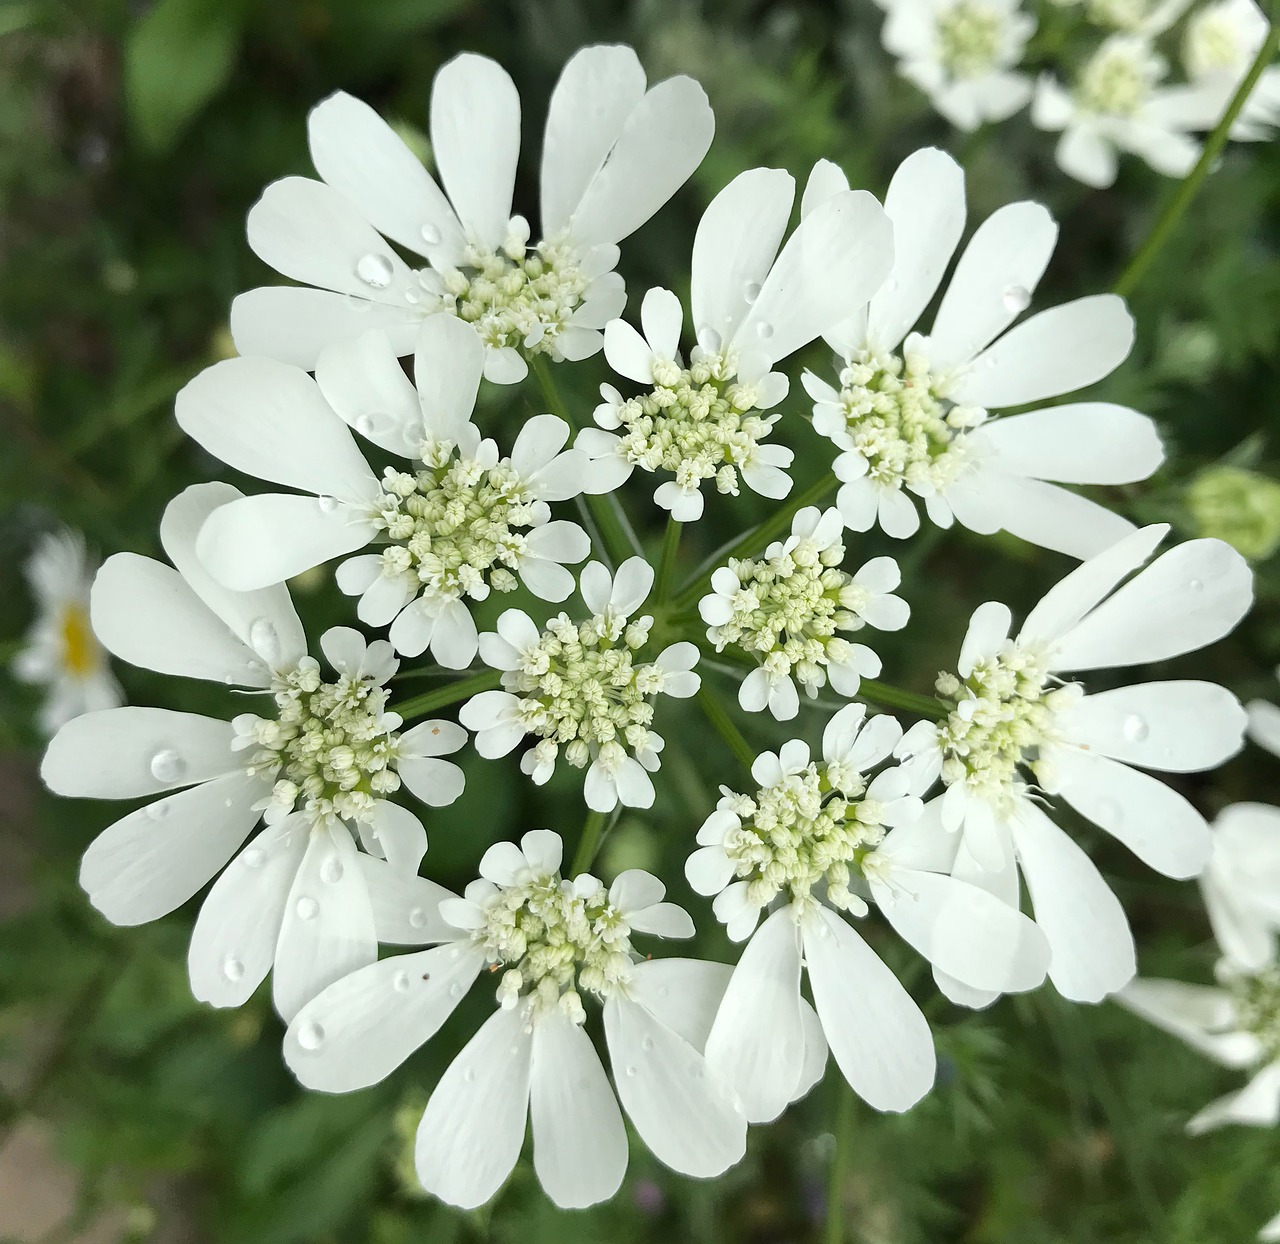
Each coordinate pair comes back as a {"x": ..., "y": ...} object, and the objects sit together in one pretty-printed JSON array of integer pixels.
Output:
[
  {"x": 1016, "y": 298},
  {"x": 310, "y": 1036},
  {"x": 232, "y": 968},
  {"x": 412, "y": 297},
  {"x": 764, "y": 330},
  {"x": 331, "y": 871},
  {"x": 167, "y": 765},
  {"x": 253, "y": 857},
  {"x": 751, "y": 291},
  {"x": 1135, "y": 728},
  {"x": 264, "y": 639},
  {"x": 1196, "y": 585},
  {"x": 327, "y": 504},
  {"x": 401, "y": 981},
  {"x": 158, "y": 811},
  {"x": 375, "y": 271},
  {"x": 308, "y": 908},
  {"x": 631, "y": 1071},
  {"x": 417, "y": 918},
  {"x": 430, "y": 235},
  {"x": 469, "y": 1075},
  {"x": 455, "y": 990},
  {"x": 365, "y": 425},
  {"x": 647, "y": 1044}
]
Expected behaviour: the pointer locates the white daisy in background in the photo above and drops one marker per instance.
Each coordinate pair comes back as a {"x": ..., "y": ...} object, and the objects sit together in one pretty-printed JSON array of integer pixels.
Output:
[
  {"x": 1019, "y": 731},
  {"x": 805, "y": 846},
  {"x": 552, "y": 944},
  {"x": 1117, "y": 104},
  {"x": 963, "y": 54},
  {"x": 1264, "y": 724},
  {"x": 1241, "y": 883},
  {"x": 1219, "y": 44},
  {"x": 613, "y": 154},
  {"x": 299, "y": 895},
  {"x": 61, "y": 652},
  {"x": 751, "y": 306},
  {"x": 912, "y": 414},
  {"x": 460, "y": 522},
  {"x": 577, "y": 685},
  {"x": 786, "y": 608}
]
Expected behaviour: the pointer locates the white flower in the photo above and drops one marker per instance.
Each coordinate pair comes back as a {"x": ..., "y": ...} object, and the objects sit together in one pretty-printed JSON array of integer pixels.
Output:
[
  {"x": 1147, "y": 17},
  {"x": 1218, "y": 47},
  {"x": 1241, "y": 883},
  {"x": 1117, "y": 104},
  {"x": 613, "y": 154},
  {"x": 786, "y": 608},
  {"x": 750, "y": 307},
  {"x": 550, "y": 944},
  {"x": 962, "y": 54},
  {"x": 913, "y": 416},
  {"x": 577, "y": 685},
  {"x": 61, "y": 651},
  {"x": 460, "y": 522},
  {"x": 1264, "y": 724},
  {"x": 1014, "y": 714},
  {"x": 811, "y": 840},
  {"x": 299, "y": 895}
]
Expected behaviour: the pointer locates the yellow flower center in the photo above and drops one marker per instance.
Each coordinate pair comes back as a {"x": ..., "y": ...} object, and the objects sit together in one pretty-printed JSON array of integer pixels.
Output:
[{"x": 79, "y": 647}]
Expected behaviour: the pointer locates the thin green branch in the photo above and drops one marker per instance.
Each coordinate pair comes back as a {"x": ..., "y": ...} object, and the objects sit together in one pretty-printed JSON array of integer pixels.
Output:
[
  {"x": 834, "y": 1232},
  {"x": 719, "y": 719},
  {"x": 667, "y": 563},
  {"x": 421, "y": 705},
  {"x": 888, "y": 696},
  {"x": 1188, "y": 187},
  {"x": 589, "y": 843}
]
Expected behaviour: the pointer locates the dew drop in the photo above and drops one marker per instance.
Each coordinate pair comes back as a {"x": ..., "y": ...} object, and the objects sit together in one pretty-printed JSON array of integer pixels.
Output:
[
  {"x": 1196, "y": 585},
  {"x": 253, "y": 857},
  {"x": 1135, "y": 729},
  {"x": 167, "y": 765},
  {"x": 412, "y": 297},
  {"x": 365, "y": 425},
  {"x": 430, "y": 235},
  {"x": 310, "y": 1036},
  {"x": 264, "y": 639},
  {"x": 375, "y": 271},
  {"x": 308, "y": 908},
  {"x": 158, "y": 811},
  {"x": 327, "y": 504},
  {"x": 1016, "y": 298},
  {"x": 469, "y": 1075},
  {"x": 647, "y": 1044},
  {"x": 455, "y": 990},
  {"x": 751, "y": 291},
  {"x": 764, "y": 330},
  {"x": 401, "y": 982},
  {"x": 331, "y": 871},
  {"x": 631, "y": 1071},
  {"x": 417, "y": 918},
  {"x": 232, "y": 968}
]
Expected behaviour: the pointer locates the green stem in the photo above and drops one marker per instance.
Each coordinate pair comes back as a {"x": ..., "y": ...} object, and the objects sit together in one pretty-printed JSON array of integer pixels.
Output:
[
  {"x": 888, "y": 696},
  {"x": 618, "y": 545},
  {"x": 716, "y": 715},
  {"x": 1186, "y": 191},
  {"x": 834, "y": 1233},
  {"x": 759, "y": 538},
  {"x": 667, "y": 564},
  {"x": 589, "y": 843},
  {"x": 421, "y": 705}
]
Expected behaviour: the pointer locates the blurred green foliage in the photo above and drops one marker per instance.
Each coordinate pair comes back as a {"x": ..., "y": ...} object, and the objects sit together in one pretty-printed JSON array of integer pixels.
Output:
[{"x": 133, "y": 139}]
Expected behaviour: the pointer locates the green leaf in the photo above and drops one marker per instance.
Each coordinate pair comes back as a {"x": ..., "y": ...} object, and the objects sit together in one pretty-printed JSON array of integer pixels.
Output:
[{"x": 176, "y": 59}]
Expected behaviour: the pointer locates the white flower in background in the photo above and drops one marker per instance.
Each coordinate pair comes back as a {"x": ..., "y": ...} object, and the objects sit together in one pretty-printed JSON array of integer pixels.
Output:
[
  {"x": 460, "y": 522},
  {"x": 808, "y": 844},
  {"x": 751, "y": 306},
  {"x": 1117, "y": 104},
  {"x": 1018, "y": 730},
  {"x": 299, "y": 895},
  {"x": 786, "y": 609},
  {"x": 1146, "y": 17},
  {"x": 613, "y": 154},
  {"x": 963, "y": 54},
  {"x": 551, "y": 944},
  {"x": 1219, "y": 44},
  {"x": 1241, "y": 883},
  {"x": 61, "y": 652},
  {"x": 1264, "y": 724},
  {"x": 578, "y": 686},
  {"x": 912, "y": 414}
]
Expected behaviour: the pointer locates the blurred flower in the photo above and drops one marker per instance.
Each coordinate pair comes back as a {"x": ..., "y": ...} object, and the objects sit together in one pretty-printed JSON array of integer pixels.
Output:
[
  {"x": 1241, "y": 883},
  {"x": 460, "y": 523},
  {"x": 613, "y": 154},
  {"x": 751, "y": 307},
  {"x": 786, "y": 608},
  {"x": 1219, "y": 45},
  {"x": 962, "y": 54},
  {"x": 576, "y": 685},
  {"x": 1264, "y": 724},
  {"x": 299, "y": 896},
  {"x": 914, "y": 416},
  {"x": 1013, "y": 713},
  {"x": 1238, "y": 506},
  {"x": 551, "y": 943},
  {"x": 61, "y": 652}
]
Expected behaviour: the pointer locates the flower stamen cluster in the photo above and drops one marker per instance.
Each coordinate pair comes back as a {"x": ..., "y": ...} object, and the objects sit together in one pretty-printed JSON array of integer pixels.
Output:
[
  {"x": 1256, "y": 999},
  {"x": 970, "y": 38},
  {"x": 1119, "y": 78}
]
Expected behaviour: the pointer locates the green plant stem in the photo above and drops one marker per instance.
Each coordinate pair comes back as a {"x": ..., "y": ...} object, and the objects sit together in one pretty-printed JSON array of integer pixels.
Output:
[
  {"x": 889, "y": 696},
  {"x": 759, "y": 537},
  {"x": 1187, "y": 188},
  {"x": 618, "y": 543},
  {"x": 715, "y": 714},
  {"x": 421, "y": 705},
  {"x": 589, "y": 843},
  {"x": 834, "y": 1233},
  {"x": 667, "y": 563}
]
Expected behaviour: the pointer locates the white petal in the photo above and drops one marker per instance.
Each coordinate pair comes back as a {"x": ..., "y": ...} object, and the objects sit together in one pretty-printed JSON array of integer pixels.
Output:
[
  {"x": 1200, "y": 1015},
  {"x": 432, "y": 738},
  {"x": 682, "y": 994},
  {"x": 709, "y": 870},
  {"x": 447, "y": 366},
  {"x": 473, "y": 1128},
  {"x": 406, "y": 909},
  {"x": 579, "y": 1139},
  {"x": 988, "y": 630},
  {"x": 1264, "y": 725},
  {"x": 362, "y": 1027},
  {"x": 631, "y": 585},
  {"x": 454, "y": 640},
  {"x": 436, "y": 782},
  {"x": 363, "y": 382},
  {"x": 1257, "y": 1104},
  {"x": 543, "y": 849},
  {"x": 400, "y": 835},
  {"x": 662, "y": 317}
]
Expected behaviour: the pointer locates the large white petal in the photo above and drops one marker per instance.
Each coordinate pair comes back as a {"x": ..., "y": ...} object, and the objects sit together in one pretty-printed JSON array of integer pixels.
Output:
[
  {"x": 328, "y": 929},
  {"x": 579, "y": 1139},
  {"x": 1187, "y": 598},
  {"x": 688, "y": 1117},
  {"x": 1083, "y": 920},
  {"x": 757, "y": 1042},
  {"x": 363, "y": 1026},
  {"x": 154, "y": 859},
  {"x": 473, "y": 1128},
  {"x": 406, "y": 909},
  {"x": 362, "y": 381},
  {"x": 447, "y": 367},
  {"x": 1201, "y": 1015},
  {"x": 683, "y": 994},
  {"x": 234, "y": 942},
  {"x": 876, "y": 1032}
]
